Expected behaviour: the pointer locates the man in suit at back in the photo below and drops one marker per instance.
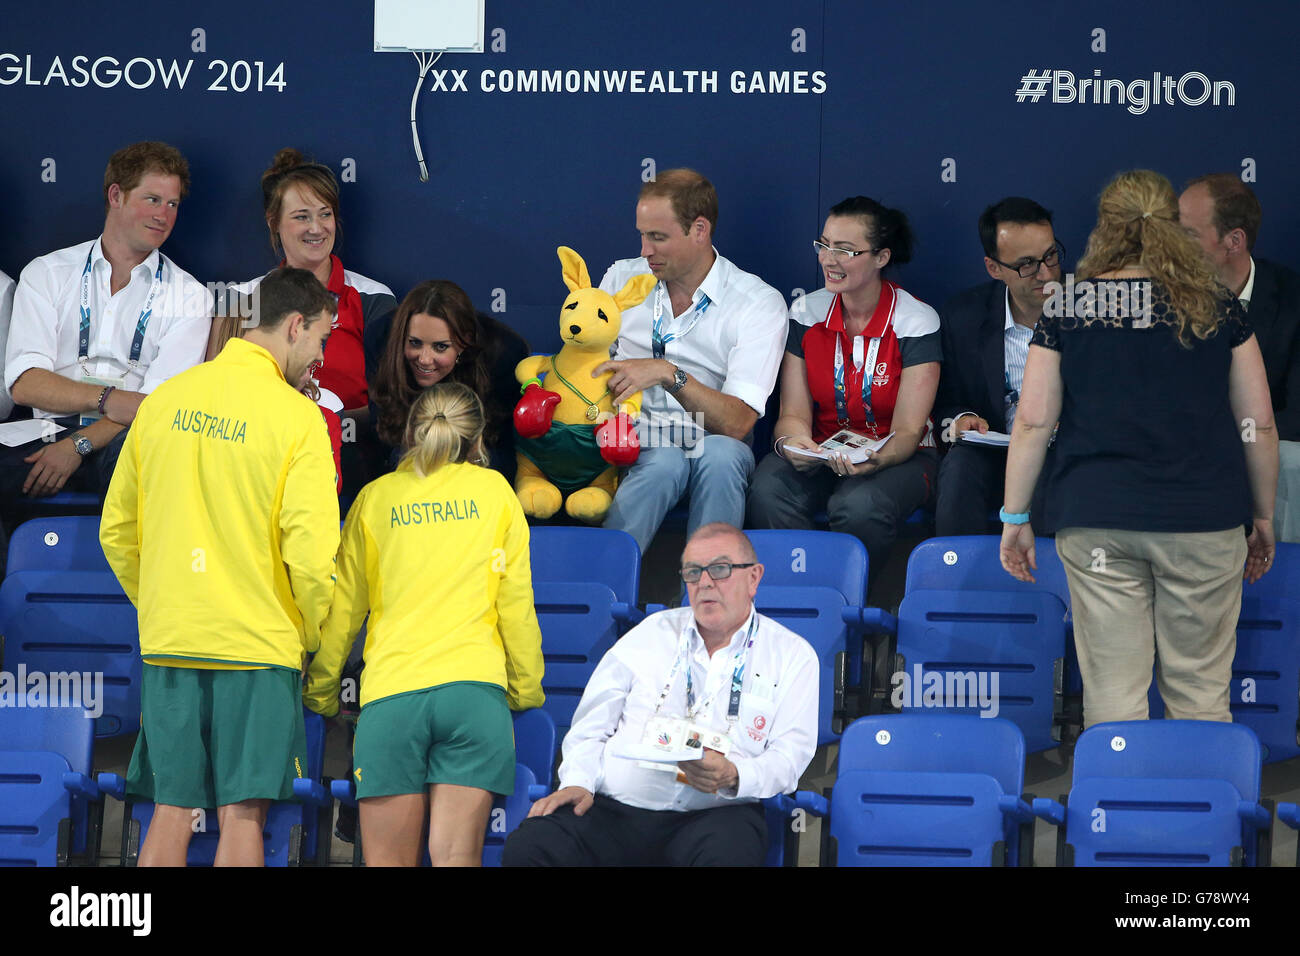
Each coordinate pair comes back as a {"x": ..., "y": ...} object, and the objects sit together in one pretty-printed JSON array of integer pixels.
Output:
[
  {"x": 986, "y": 332},
  {"x": 1223, "y": 215}
]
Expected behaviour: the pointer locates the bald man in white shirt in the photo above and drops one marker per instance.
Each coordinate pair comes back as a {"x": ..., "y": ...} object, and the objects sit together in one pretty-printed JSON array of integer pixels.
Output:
[{"x": 729, "y": 670}]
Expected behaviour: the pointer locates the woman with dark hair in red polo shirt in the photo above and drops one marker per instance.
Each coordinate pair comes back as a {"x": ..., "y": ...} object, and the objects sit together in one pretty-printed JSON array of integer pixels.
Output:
[{"x": 862, "y": 354}]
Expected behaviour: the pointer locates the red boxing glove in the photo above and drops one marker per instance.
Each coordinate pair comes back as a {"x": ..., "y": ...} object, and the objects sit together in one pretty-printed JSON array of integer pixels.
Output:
[
  {"x": 617, "y": 441},
  {"x": 535, "y": 410}
]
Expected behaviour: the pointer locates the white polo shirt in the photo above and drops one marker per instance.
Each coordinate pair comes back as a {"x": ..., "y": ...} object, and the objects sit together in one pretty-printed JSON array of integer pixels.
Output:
[
  {"x": 47, "y": 314},
  {"x": 773, "y": 738},
  {"x": 735, "y": 347},
  {"x": 7, "y": 286}
]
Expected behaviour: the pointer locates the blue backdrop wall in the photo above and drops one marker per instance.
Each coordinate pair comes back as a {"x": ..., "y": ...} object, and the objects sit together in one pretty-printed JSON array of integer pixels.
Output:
[{"x": 787, "y": 105}]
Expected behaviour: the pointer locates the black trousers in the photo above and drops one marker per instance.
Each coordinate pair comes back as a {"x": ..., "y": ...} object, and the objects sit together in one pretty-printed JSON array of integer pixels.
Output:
[
  {"x": 613, "y": 834},
  {"x": 972, "y": 480},
  {"x": 91, "y": 477}
]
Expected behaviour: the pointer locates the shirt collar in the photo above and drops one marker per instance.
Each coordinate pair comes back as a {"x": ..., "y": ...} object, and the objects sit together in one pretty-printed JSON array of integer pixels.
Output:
[
  {"x": 697, "y": 642},
  {"x": 150, "y": 263},
  {"x": 335, "y": 284},
  {"x": 835, "y": 317},
  {"x": 244, "y": 352},
  {"x": 1010, "y": 322},
  {"x": 1249, "y": 288},
  {"x": 715, "y": 283}
]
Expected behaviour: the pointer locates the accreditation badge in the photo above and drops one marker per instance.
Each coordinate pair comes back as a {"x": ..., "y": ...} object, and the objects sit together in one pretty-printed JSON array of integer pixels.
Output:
[{"x": 667, "y": 735}]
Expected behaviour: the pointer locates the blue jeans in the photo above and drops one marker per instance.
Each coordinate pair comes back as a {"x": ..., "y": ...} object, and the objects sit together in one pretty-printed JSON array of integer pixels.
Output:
[{"x": 715, "y": 474}]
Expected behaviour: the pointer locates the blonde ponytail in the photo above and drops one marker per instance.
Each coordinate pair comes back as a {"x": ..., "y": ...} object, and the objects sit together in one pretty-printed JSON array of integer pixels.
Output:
[
  {"x": 1138, "y": 227},
  {"x": 445, "y": 426}
]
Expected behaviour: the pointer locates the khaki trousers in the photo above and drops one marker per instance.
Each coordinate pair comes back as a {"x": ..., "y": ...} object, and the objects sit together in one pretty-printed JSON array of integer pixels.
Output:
[{"x": 1141, "y": 597}]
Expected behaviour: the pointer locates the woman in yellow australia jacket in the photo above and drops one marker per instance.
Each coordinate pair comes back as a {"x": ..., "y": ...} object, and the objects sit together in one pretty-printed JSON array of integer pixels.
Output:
[{"x": 437, "y": 554}]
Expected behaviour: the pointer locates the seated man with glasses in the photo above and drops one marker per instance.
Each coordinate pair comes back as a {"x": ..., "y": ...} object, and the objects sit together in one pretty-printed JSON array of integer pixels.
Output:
[
  {"x": 718, "y": 677},
  {"x": 986, "y": 332}
]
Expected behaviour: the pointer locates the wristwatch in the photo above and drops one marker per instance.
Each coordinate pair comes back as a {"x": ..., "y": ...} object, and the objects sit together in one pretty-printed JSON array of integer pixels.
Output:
[
  {"x": 82, "y": 445},
  {"x": 679, "y": 379}
]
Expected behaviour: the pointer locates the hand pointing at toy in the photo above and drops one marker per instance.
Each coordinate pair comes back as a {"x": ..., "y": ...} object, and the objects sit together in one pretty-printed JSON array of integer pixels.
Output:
[{"x": 629, "y": 376}]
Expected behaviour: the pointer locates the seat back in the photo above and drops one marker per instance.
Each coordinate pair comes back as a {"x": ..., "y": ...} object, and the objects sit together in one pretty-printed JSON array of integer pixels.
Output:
[
  {"x": 813, "y": 558},
  {"x": 1172, "y": 749},
  {"x": 923, "y": 789},
  {"x": 597, "y": 555},
  {"x": 63, "y": 543},
  {"x": 1176, "y": 750},
  {"x": 973, "y": 652},
  {"x": 814, "y": 614},
  {"x": 32, "y": 724},
  {"x": 76, "y": 623},
  {"x": 973, "y": 563},
  {"x": 1265, "y": 693},
  {"x": 578, "y": 627},
  {"x": 940, "y": 742},
  {"x": 535, "y": 743},
  {"x": 34, "y": 808},
  {"x": 902, "y": 818},
  {"x": 507, "y": 813},
  {"x": 1169, "y": 821}
]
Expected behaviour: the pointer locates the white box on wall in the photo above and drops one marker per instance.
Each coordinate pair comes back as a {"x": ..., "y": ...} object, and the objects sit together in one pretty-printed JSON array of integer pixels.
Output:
[{"x": 453, "y": 26}]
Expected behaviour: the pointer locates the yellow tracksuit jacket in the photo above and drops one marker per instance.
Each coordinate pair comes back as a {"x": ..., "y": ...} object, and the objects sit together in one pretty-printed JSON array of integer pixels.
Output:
[
  {"x": 441, "y": 564},
  {"x": 221, "y": 521}
]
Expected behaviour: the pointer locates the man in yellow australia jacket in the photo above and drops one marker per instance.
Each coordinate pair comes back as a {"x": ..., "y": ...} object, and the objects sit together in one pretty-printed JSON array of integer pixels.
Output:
[{"x": 221, "y": 523}]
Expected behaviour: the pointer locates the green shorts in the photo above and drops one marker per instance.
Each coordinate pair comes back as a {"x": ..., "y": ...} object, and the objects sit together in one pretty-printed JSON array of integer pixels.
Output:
[
  {"x": 213, "y": 737},
  {"x": 459, "y": 733}
]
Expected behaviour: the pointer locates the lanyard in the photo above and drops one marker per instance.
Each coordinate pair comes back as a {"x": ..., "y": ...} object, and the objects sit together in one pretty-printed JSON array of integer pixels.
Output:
[
  {"x": 868, "y": 372},
  {"x": 658, "y": 340},
  {"x": 142, "y": 323},
  {"x": 737, "y": 675}
]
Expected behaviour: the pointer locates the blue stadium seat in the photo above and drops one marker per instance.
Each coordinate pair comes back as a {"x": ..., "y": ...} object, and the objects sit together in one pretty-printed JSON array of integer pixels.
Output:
[
  {"x": 34, "y": 815},
  {"x": 1004, "y": 648},
  {"x": 817, "y": 615},
  {"x": 50, "y": 807},
  {"x": 584, "y": 589},
  {"x": 57, "y": 544},
  {"x": 825, "y": 559},
  {"x": 1266, "y": 669},
  {"x": 1265, "y": 687},
  {"x": 297, "y": 831},
  {"x": 973, "y": 563},
  {"x": 1289, "y": 813},
  {"x": 929, "y": 790},
  {"x": 76, "y": 622},
  {"x": 1163, "y": 793},
  {"x": 600, "y": 555}
]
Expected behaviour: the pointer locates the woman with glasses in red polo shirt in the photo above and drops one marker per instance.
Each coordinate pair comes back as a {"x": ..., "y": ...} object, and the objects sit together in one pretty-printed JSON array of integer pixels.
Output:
[{"x": 861, "y": 354}]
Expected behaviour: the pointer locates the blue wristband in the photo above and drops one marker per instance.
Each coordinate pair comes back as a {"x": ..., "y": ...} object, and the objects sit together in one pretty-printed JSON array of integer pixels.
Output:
[{"x": 1010, "y": 517}]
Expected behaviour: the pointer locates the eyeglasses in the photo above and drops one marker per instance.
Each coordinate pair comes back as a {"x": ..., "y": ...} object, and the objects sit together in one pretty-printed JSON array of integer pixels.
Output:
[
  {"x": 839, "y": 255},
  {"x": 718, "y": 572},
  {"x": 1027, "y": 268}
]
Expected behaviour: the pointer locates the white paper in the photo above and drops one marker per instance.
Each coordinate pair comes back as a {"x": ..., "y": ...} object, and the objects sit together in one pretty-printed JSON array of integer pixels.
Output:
[
  {"x": 996, "y": 439},
  {"x": 650, "y": 754},
  {"x": 857, "y": 447},
  {"x": 14, "y": 434}
]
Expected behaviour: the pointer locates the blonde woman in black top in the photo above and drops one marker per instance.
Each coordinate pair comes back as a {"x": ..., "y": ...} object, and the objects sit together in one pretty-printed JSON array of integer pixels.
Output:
[{"x": 1165, "y": 466}]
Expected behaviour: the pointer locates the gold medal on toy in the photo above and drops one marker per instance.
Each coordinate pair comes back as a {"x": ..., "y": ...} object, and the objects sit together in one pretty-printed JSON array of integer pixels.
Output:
[{"x": 593, "y": 408}]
